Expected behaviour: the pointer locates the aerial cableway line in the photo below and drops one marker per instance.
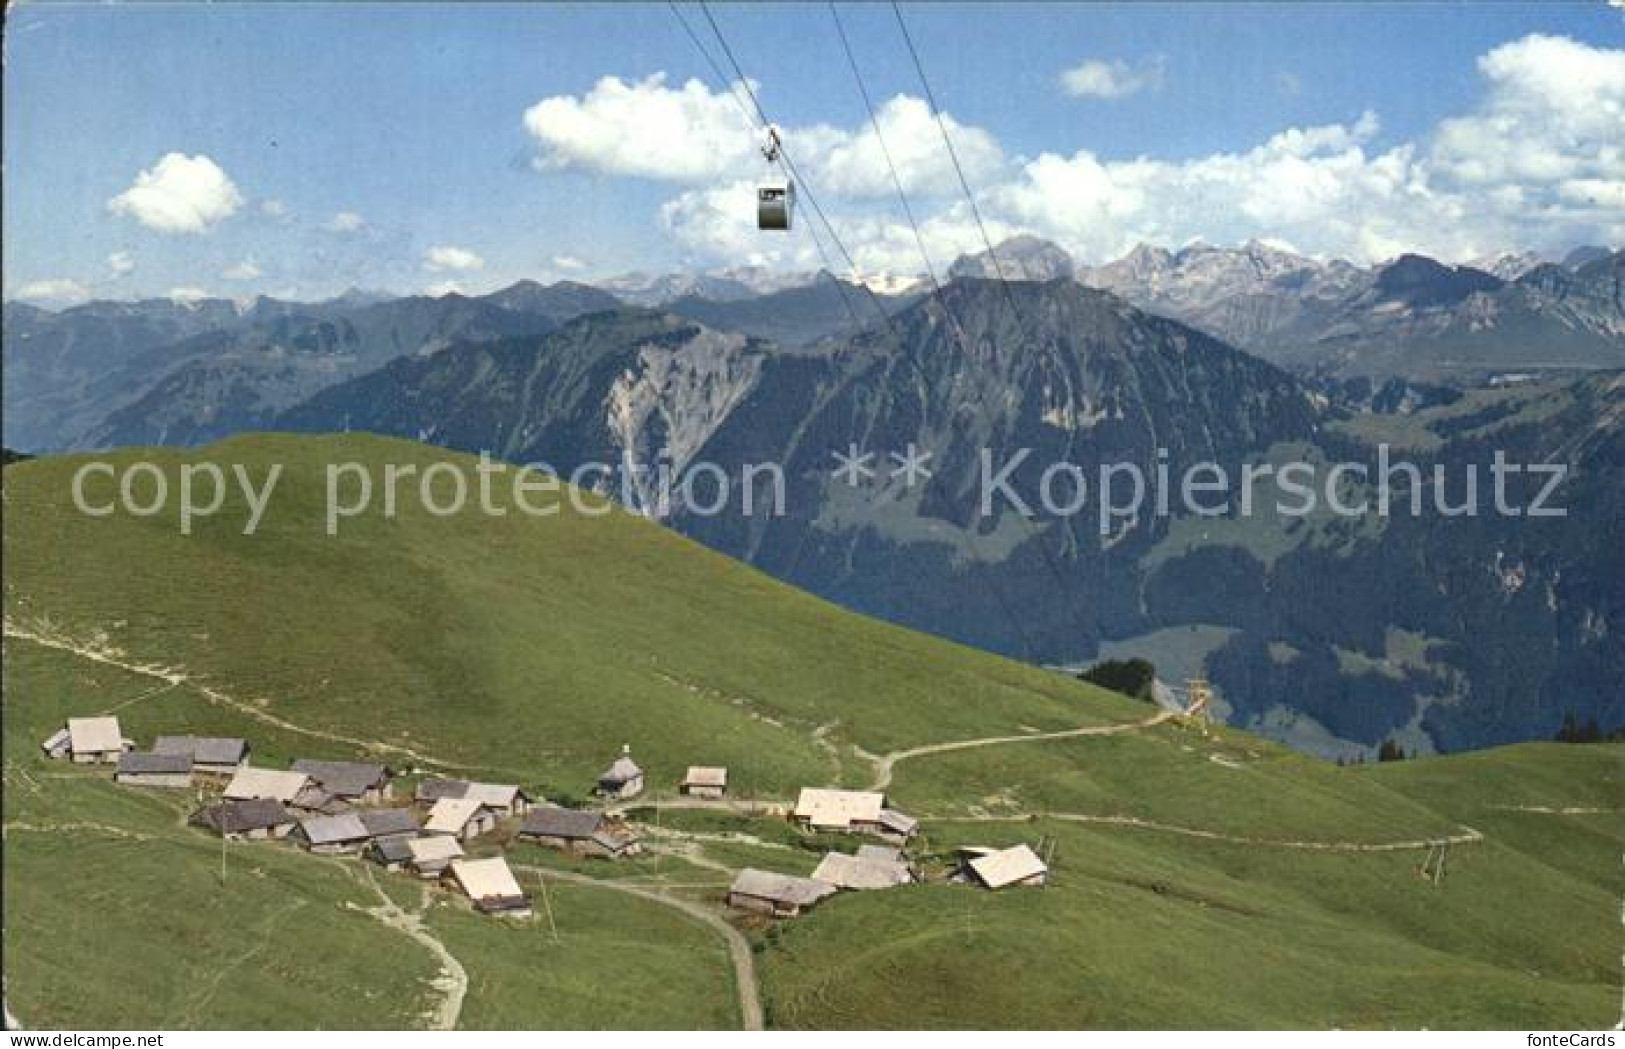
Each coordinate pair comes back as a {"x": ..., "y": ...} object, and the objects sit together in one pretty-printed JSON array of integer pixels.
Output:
[
  {"x": 897, "y": 181},
  {"x": 756, "y": 115},
  {"x": 1057, "y": 575},
  {"x": 1005, "y": 606},
  {"x": 794, "y": 173},
  {"x": 750, "y": 120}
]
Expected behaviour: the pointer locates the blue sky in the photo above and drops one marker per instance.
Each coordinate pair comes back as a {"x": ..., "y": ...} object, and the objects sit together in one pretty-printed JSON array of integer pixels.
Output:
[{"x": 412, "y": 121}]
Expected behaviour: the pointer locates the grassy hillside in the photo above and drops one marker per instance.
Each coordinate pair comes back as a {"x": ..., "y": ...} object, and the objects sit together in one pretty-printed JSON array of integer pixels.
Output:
[
  {"x": 523, "y": 646},
  {"x": 530, "y": 649},
  {"x": 107, "y": 889}
]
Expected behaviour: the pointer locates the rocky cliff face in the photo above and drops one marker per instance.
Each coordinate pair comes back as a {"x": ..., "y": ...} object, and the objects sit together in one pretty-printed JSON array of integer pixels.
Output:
[{"x": 671, "y": 401}]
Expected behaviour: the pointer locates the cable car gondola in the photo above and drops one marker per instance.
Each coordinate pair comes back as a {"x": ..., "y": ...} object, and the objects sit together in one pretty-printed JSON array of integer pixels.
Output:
[
  {"x": 775, "y": 198},
  {"x": 774, "y": 205}
]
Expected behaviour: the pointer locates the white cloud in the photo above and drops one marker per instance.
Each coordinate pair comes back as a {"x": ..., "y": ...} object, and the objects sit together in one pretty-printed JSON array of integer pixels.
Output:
[
  {"x": 179, "y": 194},
  {"x": 1538, "y": 163},
  {"x": 446, "y": 258},
  {"x": 644, "y": 128},
  {"x": 188, "y": 296},
  {"x": 853, "y": 164},
  {"x": 244, "y": 270},
  {"x": 1319, "y": 187},
  {"x": 443, "y": 288},
  {"x": 346, "y": 222},
  {"x": 568, "y": 262},
  {"x": 1555, "y": 112},
  {"x": 120, "y": 264},
  {"x": 1116, "y": 79},
  {"x": 274, "y": 208},
  {"x": 54, "y": 290}
]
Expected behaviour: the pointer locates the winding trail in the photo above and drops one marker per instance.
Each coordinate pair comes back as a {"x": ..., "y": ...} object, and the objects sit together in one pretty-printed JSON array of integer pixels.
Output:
[
  {"x": 739, "y": 952},
  {"x": 1465, "y": 836},
  {"x": 1550, "y": 810},
  {"x": 885, "y": 764},
  {"x": 172, "y": 677},
  {"x": 452, "y": 982},
  {"x": 73, "y": 826}
]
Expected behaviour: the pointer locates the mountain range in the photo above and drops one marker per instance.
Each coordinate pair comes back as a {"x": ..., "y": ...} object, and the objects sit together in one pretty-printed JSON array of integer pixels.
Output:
[
  {"x": 1330, "y": 633},
  {"x": 1413, "y": 317},
  {"x": 161, "y": 372}
]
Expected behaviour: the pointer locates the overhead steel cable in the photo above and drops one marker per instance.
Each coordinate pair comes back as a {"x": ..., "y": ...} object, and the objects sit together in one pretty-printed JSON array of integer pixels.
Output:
[
  {"x": 1050, "y": 563},
  {"x": 1005, "y": 607},
  {"x": 806, "y": 185},
  {"x": 761, "y": 126},
  {"x": 996, "y": 589},
  {"x": 750, "y": 120},
  {"x": 959, "y": 169},
  {"x": 791, "y": 169},
  {"x": 897, "y": 180}
]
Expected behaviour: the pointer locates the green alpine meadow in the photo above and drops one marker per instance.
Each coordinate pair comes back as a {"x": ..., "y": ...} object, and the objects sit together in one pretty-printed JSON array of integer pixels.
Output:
[{"x": 530, "y": 650}]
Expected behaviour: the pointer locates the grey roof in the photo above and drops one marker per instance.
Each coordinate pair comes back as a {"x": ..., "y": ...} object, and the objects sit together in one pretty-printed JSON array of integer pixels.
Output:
[
  {"x": 388, "y": 822},
  {"x": 855, "y": 872},
  {"x": 334, "y": 830},
  {"x": 315, "y": 799},
  {"x": 137, "y": 763},
  {"x": 393, "y": 850},
  {"x": 435, "y": 789},
  {"x": 235, "y": 817},
  {"x": 495, "y": 795},
  {"x": 882, "y": 853},
  {"x": 827, "y": 807},
  {"x": 453, "y": 815},
  {"x": 433, "y": 851},
  {"x": 782, "y": 888},
  {"x": 570, "y": 824},
  {"x": 267, "y": 783},
  {"x": 615, "y": 841},
  {"x": 344, "y": 779},
  {"x": 205, "y": 750},
  {"x": 706, "y": 776},
  {"x": 898, "y": 823},
  {"x": 487, "y": 879},
  {"x": 624, "y": 769}
]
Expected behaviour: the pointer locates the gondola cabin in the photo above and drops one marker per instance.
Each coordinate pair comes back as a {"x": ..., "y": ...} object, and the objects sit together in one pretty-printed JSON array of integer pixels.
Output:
[{"x": 775, "y": 204}]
